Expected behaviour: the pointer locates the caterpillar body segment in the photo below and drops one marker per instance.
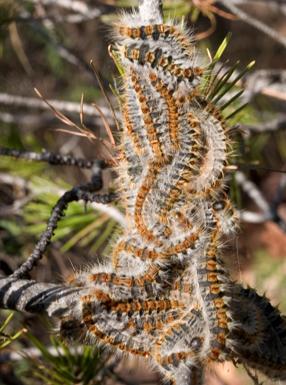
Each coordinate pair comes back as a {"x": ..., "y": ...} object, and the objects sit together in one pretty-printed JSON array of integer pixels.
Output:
[
  {"x": 157, "y": 58},
  {"x": 176, "y": 333},
  {"x": 175, "y": 39},
  {"x": 175, "y": 35},
  {"x": 132, "y": 135},
  {"x": 171, "y": 106},
  {"x": 179, "y": 359},
  {"x": 135, "y": 129},
  {"x": 259, "y": 335},
  {"x": 129, "y": 170},
  {"x": 212, "y": 281},
  {"x": 150, "y": 105},
  {"x": 183, "y": 170},
  {"x": 102, "y": 331}
]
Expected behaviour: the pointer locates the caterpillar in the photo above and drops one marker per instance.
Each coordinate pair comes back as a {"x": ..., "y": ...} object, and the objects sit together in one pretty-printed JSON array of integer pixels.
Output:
[{"x": 164, "y": 294}]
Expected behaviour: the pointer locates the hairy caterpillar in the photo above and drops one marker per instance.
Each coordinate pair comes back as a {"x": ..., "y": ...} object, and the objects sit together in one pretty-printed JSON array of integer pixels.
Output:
[{"x": 165, "y": 294}]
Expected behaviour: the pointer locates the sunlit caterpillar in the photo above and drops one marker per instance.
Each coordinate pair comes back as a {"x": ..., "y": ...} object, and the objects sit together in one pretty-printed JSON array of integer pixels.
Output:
[{"x": 165, "y": 294}]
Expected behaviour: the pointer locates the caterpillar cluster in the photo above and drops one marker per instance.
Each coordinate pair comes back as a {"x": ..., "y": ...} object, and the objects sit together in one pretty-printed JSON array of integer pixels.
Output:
[{"x": 165, "y": 294}]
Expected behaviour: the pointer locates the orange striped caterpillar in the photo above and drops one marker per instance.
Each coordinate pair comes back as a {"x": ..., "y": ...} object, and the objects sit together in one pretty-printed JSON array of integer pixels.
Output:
[{"x": 165, "y": 294}]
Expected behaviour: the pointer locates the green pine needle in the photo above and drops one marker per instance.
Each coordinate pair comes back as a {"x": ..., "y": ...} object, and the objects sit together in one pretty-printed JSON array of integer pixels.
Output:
[
  {"x": 232, "y": 114},
  {"x": 231, "y": 100},
  {"x": 62, "y": 365}
]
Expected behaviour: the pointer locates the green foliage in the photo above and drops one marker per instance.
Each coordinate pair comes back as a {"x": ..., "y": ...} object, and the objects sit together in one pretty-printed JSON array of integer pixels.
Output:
[
  {"x": 221, "y": 85},
  {"x": 270, "y": 276},
  {"x": 81, "y": 225},
  {"x": 7, "y": 339},
  {"x": 63, "y": 365},
  {"x": 55, "y": 62}
]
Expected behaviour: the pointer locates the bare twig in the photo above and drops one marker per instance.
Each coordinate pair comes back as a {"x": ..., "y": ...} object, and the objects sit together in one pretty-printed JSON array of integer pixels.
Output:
[
  {"x": 252, "y": 191},
  {"x": 15, "y": 207},
  {"x": 72, "y": 5},
  {"x": 252, "y": 217},
  {"x": 267, "y": 82},
  {"x": 276, "y": 124},
  {"x": 19, "y": 50},
  {"x": 277, "y": 200},
  {"x": 76, "y": 12},
  {"x": 64, "y": 106},
  {"x": 66, "y": 53},
  {"x": 254, "y": 22},
  {"x": 276, "y": 3},
  {"x": 268, "y": 211},
  {"x": 25, "y": 17},
  {"x": 32, "y": 120}
]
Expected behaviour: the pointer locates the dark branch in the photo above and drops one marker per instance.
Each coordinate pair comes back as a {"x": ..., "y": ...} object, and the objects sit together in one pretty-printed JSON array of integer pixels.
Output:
[
  {"x": 87, "y": 193},
  {"x": 51, "y": 158}
]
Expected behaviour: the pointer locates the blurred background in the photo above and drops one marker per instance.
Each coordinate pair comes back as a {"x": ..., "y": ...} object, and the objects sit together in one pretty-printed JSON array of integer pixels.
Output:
[{"x": 48, "y": 45}]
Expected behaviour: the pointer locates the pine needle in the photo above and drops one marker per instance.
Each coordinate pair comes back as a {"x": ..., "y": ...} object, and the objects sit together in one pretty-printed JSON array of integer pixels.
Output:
[{"x": 105, "y": 95}]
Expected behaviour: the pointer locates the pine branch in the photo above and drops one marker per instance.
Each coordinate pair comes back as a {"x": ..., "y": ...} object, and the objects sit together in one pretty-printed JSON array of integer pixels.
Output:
[
  {"x": 87, "y": 193},
  {"x": 51, "y": 158},
  {"x": 61, "y": 105}
]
